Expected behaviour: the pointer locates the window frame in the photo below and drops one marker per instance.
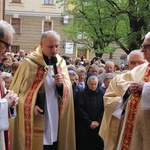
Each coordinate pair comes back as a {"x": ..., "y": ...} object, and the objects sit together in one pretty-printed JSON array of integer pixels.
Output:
[
  {"x": 13, "y": 1},
  {"x": 49, "y": 3},
  {"x": 43, "y": 25},
  {"x": 18, "y": 27}
]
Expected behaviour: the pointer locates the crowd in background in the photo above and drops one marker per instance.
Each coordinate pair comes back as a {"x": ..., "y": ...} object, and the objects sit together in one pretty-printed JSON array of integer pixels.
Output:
[
  {"x": 90, "y": 79},
  {"x": 67, "y": 103}
]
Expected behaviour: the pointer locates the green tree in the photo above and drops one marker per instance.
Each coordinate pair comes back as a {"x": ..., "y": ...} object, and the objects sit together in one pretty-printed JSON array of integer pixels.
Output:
[{"x": 98, "y": 23}]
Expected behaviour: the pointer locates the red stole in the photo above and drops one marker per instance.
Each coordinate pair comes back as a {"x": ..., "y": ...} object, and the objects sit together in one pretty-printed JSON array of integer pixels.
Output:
[{"x": 131, "y": 115}]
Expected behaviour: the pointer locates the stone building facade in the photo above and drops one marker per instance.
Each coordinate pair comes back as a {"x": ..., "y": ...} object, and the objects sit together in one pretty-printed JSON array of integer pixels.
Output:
[
  {"x": 30, "y": 18},
  {"x": 1, "y": 9}
]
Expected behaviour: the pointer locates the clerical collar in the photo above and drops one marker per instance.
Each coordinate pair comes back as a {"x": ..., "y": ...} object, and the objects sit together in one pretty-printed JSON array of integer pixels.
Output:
[{"x": 47, "y": 60}]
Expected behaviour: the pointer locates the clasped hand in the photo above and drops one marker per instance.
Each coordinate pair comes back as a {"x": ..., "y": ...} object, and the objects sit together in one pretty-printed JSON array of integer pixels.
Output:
[
  {"x": 12, "y": 99},
  {"x": 94, "y": 124},
  {"x": 136, "y": 86}
]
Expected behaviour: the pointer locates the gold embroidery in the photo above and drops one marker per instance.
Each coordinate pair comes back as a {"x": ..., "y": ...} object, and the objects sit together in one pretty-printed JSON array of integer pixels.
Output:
[
  {"x": 131, "y": 115},
  {"x": 27, "y": 107}
]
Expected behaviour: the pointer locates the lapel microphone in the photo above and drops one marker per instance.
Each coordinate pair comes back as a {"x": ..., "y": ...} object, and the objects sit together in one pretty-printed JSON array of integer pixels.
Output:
[{"x": 53, "y": 60}]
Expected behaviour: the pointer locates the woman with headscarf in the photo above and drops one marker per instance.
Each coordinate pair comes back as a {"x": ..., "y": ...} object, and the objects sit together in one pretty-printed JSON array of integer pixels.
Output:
[{"x": 90, "y": 112}]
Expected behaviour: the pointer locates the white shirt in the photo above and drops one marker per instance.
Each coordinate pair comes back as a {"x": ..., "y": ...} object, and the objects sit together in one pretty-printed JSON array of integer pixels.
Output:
[{"x": 51, "y": 110}]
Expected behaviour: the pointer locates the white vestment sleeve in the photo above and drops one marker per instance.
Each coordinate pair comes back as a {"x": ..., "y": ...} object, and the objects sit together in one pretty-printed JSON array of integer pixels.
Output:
[
  {"x": 118, "y": 110},
  {"x": 3, "y": 115},
  {"x": 145, "y": 100}
]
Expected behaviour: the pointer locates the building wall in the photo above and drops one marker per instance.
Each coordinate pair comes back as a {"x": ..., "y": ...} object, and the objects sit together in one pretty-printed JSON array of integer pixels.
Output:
[
  {"x": 32, "y": 13},
  {"x": 31, "y": 30},
  {"x": 1, "y": 9},
  {"x": 33, "y": 6}
]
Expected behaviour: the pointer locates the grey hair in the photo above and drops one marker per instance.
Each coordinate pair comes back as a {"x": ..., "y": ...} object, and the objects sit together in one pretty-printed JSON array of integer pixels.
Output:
[
  {"x": 6, "y": 75},
  {"x": 5, "y": 28},
  {"x": 109, "y": 62},
  {"x": 50, "y": 33},
  {"x": 101, "y": 70},
  {"x": 81, "y": 69},
  {"x": 138, "y": 52},
  {"x": 109, "y": 76},
  {"x": 93, "y": 77},
  {"x": 147, "y": 36},
  {"x": 95, "y": 66}
]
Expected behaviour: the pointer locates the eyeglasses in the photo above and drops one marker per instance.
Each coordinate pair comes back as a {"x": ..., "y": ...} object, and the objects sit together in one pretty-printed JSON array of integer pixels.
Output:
[
  {"x": 6, "y": 44},
  {"x": 145, "y": 46},
  {"x": 136, "y": 62}
]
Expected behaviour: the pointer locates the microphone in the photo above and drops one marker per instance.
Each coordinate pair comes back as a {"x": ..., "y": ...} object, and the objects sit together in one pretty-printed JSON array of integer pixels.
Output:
[{"x": 53, "y": 60}]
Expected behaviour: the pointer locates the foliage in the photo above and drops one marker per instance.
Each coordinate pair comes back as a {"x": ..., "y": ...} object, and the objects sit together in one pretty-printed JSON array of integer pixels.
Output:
[{"x": 97, "y": 23}]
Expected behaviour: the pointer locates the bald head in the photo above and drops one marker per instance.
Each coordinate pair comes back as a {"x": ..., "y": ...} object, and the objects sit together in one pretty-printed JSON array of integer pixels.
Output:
[
  {"x": 50, "y": 41},
  {"x": 51, "y": 34}
]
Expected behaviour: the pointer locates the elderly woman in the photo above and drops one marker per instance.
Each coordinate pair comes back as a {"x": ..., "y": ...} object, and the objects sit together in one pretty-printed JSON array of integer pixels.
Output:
[
  {"x": 90, "y": 112},
  {"x": 7, "y": 77}
]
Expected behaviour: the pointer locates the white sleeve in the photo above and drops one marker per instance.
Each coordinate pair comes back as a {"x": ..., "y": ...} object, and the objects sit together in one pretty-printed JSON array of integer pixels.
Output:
[
  {"x": 3, "y": 115},
  {"x": 145, "y": 100},
  {"x": 118, "y": 110}
]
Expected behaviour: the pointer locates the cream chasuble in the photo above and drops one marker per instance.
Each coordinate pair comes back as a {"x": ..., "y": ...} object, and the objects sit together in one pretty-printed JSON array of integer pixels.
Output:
[
  {"x": 26, "y": 129},
  {"x": 110, "y": 129}
]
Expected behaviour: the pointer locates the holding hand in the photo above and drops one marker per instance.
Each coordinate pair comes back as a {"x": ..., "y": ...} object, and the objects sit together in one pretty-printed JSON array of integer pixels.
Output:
[{"x": 58, "y": 79}]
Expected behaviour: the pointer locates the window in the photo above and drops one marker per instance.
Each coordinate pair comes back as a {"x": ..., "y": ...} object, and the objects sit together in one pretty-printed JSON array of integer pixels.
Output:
[
  {"x": 15, "y": 48},
  {"x": 16, "y": 22},
  {"x": 16, "y": 1},
  {"x": 47, "y": 25},
  {"x": 48, "y": 2}
]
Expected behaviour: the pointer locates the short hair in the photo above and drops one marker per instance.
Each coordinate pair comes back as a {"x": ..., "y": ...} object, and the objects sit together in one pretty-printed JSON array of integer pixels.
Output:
[
  {"x": 5, "y": 28},
  {"x": 95, "y": 66},
  {"x": 50, "y": 33},
  {"x": 147, "y": 36},
  {"x": 6, "y": 75},
  {"x": 101, "y": 70},
  {"x": 109, "y": 76},
  {"x": 81, "y": 69},
  {"x": 137, "y": 52},
  {"x": 110, "y": 62},
  {"x": 21, "y": 50}
]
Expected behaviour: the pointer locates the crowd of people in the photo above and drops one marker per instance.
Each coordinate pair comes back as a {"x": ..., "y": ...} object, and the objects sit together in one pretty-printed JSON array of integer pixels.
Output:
[{"x": 61, "y": 103}]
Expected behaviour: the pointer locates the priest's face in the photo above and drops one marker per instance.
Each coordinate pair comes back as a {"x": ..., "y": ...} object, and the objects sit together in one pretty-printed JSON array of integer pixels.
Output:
[
  {"x": 50, "y": 45},
  {"x": 145, "y": 48},
  {"x": 5, "y": 44},
  {"x": 135, "y": 60}
]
